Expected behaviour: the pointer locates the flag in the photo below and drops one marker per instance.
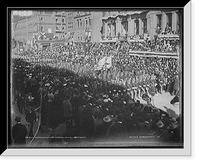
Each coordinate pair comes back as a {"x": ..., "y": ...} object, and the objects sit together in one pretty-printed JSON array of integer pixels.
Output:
[
  {"x": 101, "y": 63},
  {"x": 108, "y": 62},
  {"x": 68, "y": 36}
]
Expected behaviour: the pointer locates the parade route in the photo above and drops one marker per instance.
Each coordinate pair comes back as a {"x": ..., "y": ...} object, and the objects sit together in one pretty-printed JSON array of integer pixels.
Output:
[{"x": 163, "y": 100}]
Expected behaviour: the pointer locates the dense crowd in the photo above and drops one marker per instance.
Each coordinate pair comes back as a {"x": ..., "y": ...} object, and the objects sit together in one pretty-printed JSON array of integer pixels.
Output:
[
  {"x": 129, "y": 71},
  {"x": 96, "y": 104},
  {"x": 159, "y": 45}
]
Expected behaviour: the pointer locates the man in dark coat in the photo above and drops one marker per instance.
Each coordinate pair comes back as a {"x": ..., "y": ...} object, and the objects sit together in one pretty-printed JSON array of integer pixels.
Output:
[
  {"x": 31, "y": 118},
  {"x": 20, "y": 102},
  {"x": 44, "y": 109},
  {"x": 76, "y": 102},
  {"x": 87, "y": 124},
  {"x": 100, "y": 131},
  {"x": 158, "y": 86},
  {"x": 56, "y": 117},
  {"x": 19, "y": 132}
]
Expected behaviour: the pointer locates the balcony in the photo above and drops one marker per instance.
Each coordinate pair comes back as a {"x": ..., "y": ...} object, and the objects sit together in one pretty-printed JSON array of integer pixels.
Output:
[
  {"x": 108, "y": 39},
  {"x": 134, "y": 38}
]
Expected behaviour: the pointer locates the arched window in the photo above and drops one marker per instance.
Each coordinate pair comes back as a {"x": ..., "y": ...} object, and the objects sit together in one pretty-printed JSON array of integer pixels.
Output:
[{"x": 137, "y": 27}]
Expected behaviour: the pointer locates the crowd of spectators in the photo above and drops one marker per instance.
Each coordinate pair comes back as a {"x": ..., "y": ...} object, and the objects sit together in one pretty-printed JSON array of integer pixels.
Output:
[
  {"x": 159, "y": 45},
  {"x": 127, "y": 70},
  {"x": 105, "y": 103}
]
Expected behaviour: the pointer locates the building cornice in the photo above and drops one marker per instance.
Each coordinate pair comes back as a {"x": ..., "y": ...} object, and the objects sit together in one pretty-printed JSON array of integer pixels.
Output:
[
  {"x": 82, "y": 15},
  {"x": 123, "y": 14}
]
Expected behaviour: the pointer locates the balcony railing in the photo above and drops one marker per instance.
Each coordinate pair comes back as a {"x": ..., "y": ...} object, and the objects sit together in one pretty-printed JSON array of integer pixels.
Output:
[
  {"x": 125, "y": 37},
  {"x": 109, "y": 39}
]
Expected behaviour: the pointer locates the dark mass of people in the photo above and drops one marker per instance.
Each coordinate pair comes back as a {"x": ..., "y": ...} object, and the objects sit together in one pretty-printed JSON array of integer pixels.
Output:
[{"x": 63, "y": 86}]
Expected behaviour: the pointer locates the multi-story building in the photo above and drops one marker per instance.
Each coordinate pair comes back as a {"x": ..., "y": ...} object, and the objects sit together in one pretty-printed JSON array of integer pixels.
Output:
[
  {"x": 137, "y": 24},
  {"x": 86, "y": 25},
  {"x": 25, "y": 28},
  {"x": 40, "y": 22},
  {"x": 60, "y": 23},
  {"x": 96, "y": 26},
  {"x": 70, "y": 21}
]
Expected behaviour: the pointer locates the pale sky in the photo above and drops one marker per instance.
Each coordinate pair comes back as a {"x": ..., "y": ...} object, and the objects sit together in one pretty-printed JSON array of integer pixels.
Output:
[{"x": 22, "y": 13}]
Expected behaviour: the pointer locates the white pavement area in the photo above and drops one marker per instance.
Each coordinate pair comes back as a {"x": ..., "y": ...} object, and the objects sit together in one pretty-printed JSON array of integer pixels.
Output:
[{"x": 163, "y": 100}]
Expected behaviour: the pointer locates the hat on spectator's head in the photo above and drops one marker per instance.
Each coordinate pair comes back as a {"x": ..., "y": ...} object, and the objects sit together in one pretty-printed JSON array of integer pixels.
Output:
[
  {"x": 47, "y": 84},
  {"x": 160, "y": 124},
  {"x": 105, "y": 100},
  {"x": 107, "y": 119},
  {"x": 64, "y": 85},
  {"x": 104, "y": 96}
]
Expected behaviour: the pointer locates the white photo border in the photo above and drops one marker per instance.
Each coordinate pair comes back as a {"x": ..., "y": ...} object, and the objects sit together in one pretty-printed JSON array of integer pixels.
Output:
[{"x": 187, "y": 151}]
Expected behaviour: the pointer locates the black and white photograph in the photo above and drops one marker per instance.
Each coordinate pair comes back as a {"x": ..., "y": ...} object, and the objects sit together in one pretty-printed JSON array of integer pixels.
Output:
[{"x": 102, "y": 78}]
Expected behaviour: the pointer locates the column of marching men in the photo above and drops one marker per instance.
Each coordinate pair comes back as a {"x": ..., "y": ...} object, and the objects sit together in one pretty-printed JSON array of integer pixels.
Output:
[{"x": 126, "y": 70}]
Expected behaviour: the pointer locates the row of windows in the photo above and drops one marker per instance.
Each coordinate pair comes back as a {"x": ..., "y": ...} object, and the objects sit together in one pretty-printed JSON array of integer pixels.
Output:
[
  {"x": 126, "y": 27},
  {"x": 70, "y": 23},
  {"x": 80, "y": 36},
  {"x": 87, "y": 22},
  {"x": 70, "y": 27},
  {"x": 79, "y": 23},
  {"x": 169, "y": 19},
  {"x": 57, "y": 20}
]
